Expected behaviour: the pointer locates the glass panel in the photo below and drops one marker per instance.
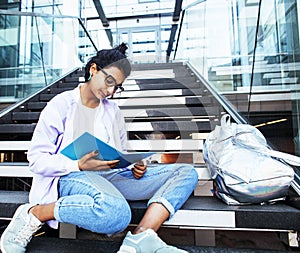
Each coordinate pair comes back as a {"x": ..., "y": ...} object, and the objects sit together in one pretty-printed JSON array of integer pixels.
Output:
[
  {"x": 124, "y": 37},
  {"x": 222, "y": 41},
  {"x": 119, "y": 7},
  {"x": 144, "y": 46},
  {"x": 35, "y": 51}
]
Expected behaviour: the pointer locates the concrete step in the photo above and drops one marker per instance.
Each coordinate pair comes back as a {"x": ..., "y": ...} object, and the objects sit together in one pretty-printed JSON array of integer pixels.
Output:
[
  {"x": 173, "y": 112},
  {"x": 199, "y": 212},
  {"x": 169, "y": 126},
  {"x": 159, "y": 102},
  {"x": 17, "y": 128},
  {"x": 25, "y": 116},
  {"x": 133, "y": 91},
  {"x": 145, "y": 127},
  {"x": 142, "y": 101},
  {"x": 158, "y": 66},
  {"x": 191, "y": 112},
  {"x": 36, "y": 105},
  {"x": 20, "y": 170},
  {"x": 55, "y": 245},
  {"x": 149, "y": 84}
]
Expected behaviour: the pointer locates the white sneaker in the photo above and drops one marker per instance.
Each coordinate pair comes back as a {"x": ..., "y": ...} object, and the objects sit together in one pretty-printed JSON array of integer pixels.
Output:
[
  {"x": 146, "y": 242},
  {"x": 20, "y": 230}
]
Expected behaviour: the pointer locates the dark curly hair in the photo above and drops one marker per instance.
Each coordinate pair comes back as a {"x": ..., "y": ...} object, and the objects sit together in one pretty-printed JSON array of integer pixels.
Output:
[{"x": 115, "y": 57}]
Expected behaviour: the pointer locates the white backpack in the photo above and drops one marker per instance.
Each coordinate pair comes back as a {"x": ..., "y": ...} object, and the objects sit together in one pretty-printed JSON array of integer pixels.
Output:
[{"x": 244, "y": 168}]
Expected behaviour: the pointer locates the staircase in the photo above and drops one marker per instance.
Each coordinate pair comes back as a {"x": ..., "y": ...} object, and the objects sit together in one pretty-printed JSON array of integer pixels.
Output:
[{"x": 167, "y": 110}]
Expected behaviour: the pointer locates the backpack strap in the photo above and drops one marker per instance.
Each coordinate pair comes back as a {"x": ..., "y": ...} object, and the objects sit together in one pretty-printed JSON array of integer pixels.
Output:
[
  {"x": 225, "y": 120},
  {"x": 290, "y": 159}
]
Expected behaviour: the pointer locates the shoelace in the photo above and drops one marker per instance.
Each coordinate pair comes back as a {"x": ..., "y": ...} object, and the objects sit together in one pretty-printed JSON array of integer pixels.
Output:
[{"x": 24, "y": 235}]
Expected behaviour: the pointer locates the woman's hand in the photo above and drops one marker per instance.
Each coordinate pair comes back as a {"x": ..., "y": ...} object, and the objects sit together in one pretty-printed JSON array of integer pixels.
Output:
[
  {"x": 89, "y": 162},
  {"x": 139, "y": 170}
]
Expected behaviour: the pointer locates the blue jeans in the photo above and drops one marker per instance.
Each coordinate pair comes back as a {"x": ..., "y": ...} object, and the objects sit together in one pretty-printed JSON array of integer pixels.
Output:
[{"x": 97, "y": 201}]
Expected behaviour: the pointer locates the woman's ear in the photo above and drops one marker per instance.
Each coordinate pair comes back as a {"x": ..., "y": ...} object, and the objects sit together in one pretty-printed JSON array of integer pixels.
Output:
[{"x": 93, "y": 68}]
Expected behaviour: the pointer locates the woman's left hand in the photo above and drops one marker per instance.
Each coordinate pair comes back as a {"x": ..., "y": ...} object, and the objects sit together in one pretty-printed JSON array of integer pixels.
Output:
[{"x": 139, "y": 170}]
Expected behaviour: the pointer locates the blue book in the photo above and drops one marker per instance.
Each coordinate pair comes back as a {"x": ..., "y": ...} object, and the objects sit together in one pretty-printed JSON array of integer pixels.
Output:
[{"x": 87, "y": 143}]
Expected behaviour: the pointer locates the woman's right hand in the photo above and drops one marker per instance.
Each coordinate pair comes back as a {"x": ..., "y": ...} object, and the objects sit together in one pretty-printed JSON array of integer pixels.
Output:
[{"x": 89, "y": 162}]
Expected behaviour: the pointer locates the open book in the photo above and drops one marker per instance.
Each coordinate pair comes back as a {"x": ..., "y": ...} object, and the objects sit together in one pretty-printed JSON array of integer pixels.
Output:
[{"x": 87, "y": 143}]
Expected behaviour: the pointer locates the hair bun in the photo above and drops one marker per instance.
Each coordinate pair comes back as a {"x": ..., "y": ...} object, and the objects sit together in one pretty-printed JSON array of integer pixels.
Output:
[{"x": 122, "y": 48}]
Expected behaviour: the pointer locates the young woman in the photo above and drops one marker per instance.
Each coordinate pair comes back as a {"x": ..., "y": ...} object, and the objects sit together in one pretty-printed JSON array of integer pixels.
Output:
[{"x": 89, "y": 192}]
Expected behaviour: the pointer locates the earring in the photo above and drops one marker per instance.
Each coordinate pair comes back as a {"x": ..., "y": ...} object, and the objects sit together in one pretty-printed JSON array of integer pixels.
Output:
[{"x": 90, "y": 77}]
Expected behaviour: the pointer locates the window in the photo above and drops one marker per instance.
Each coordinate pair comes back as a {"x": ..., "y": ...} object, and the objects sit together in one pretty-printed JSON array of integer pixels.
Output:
[{"x": 148, "y": 1}]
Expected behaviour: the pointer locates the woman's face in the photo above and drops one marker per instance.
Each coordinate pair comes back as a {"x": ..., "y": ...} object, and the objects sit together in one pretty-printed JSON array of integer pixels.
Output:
[{"x": 103, "y": 82}]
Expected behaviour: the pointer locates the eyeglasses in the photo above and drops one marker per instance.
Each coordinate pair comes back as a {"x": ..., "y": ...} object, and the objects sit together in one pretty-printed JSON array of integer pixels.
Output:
[{"x": 110, "y": 81}]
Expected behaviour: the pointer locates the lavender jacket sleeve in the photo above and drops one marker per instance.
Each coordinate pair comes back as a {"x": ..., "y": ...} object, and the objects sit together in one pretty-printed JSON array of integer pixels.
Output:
[{"x": 43, "y": 156}]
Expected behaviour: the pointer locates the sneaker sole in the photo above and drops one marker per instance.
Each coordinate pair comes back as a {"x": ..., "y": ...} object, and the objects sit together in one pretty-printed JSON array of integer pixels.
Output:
[
  {"x": 8, "y": 227},
  {"x": 127, "y": 249}
]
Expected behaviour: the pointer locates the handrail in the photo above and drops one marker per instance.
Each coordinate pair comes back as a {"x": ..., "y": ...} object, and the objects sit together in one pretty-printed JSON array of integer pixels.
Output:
[
  {"x": 41, "y": 50},
  {"x": 22, "y": 101},
  {"x": 253, "y": 62},
  {"x": 179, "y": 33},
  {"x": 221, "y": 99},
  {"x": 226, "y": 105},
  {"x": 86, "y": 32},
  {"x": 171, "y": 41}
]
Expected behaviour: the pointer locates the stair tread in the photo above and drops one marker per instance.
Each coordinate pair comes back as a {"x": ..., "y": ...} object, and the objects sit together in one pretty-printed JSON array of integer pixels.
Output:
[
  {"x": 17, "y": 128},
  {"x": 141, "y": 112},
  {"x": 209, "y": 209},
  {"x": 161, "y": 126},
  {"x": 206, "y": 210},
  {"x": 51, "y": 244},
  {"x": 199, "y": 212}
]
